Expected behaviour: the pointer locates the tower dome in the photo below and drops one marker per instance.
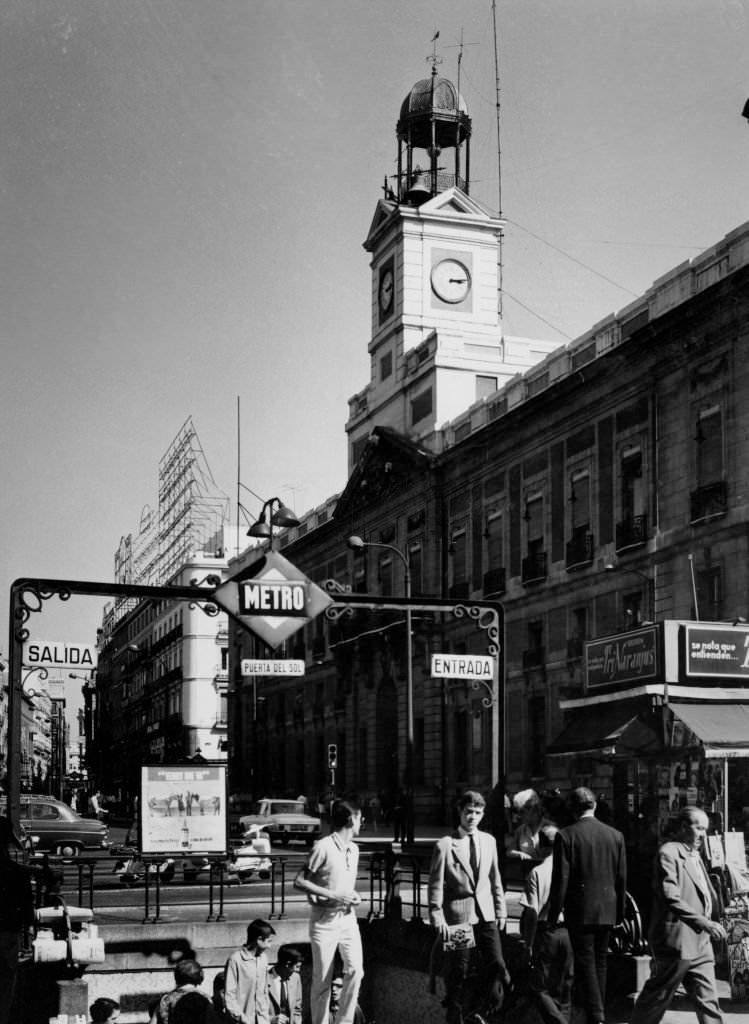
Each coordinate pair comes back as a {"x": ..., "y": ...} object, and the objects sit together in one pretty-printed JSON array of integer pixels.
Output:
[{"x": 433, "y": 119}]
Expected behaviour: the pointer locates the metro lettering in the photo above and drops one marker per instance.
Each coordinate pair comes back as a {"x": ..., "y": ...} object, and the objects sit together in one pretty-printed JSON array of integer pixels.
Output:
[{"x": 273, "y": 597}]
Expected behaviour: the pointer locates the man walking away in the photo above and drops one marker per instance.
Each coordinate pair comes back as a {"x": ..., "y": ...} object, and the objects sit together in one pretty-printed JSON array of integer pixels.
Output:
[
  {"x": 329, "y": 880},
  {"x": 682, "y": 925},
  {"x": 548, "y": 947},
  {"x": 588, "y": 884}
]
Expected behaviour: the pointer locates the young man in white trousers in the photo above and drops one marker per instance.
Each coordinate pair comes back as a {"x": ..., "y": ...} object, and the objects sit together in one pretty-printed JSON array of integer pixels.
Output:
[{"x": 329, "y": 880}]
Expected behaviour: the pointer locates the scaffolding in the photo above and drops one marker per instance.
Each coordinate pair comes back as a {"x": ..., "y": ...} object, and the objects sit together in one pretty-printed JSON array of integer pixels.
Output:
[{"x": 190, "y": 518}]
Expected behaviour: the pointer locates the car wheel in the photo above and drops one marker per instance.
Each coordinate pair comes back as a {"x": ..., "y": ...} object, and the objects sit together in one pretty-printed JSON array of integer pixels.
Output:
[
  {"x": 67, "y": 850},
  {"x": 190, "y": 876}
]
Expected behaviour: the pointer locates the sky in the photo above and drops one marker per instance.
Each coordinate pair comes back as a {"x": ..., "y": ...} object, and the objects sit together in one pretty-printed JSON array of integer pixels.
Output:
[{"x": 185, "y": 186}]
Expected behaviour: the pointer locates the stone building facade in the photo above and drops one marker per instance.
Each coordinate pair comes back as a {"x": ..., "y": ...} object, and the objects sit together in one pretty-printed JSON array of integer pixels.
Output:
[{"x": 605, "y": 488}]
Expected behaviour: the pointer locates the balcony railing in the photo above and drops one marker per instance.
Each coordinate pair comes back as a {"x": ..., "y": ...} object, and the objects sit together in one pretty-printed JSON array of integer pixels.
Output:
[
  {"x": 579, "y": 550},
  {"x": 534, "y": 567},
  {"x": 495, "y": 581},
  {"x": 709, "y": 501},
  {"x": 631, "y": 532}
]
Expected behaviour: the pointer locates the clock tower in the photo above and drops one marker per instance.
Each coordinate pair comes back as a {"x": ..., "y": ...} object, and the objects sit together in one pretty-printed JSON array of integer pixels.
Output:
[{"x": 436, "y": 343}]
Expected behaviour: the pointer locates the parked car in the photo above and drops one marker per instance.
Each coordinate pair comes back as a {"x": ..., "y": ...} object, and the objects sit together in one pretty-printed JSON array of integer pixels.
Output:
[
  {"x": 53, "y": 827},
  {"x": 283, "y": 820}
]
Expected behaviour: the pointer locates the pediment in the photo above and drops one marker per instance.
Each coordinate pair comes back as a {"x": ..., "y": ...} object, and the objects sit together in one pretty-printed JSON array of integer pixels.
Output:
[
  {"x": 455, "y": 201},
  {"x": 388, "y": 465},
  {"x": 383, "y": 212}
]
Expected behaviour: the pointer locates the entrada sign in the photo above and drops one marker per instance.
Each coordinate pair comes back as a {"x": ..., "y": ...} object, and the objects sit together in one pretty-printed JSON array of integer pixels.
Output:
[{"x": 462, "y": 666}]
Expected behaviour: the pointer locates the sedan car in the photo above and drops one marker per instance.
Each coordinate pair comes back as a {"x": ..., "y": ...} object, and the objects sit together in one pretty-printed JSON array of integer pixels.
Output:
[
  {"x": 56, "y": 828},
  {"x": 283, "y": 820}
]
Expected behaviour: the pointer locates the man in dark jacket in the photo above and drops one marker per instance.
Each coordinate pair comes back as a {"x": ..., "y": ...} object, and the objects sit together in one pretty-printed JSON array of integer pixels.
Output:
[
  {"x": 16, "y": 914},
  {"x": 589, "y": 881}
]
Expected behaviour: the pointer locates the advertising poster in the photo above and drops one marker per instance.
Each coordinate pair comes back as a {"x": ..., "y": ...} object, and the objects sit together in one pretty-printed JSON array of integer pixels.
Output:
[{"x": 183, "y": 809}]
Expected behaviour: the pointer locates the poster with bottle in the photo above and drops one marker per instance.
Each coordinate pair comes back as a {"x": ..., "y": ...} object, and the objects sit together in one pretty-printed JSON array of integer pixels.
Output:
[{"x": 183, "y": 809}]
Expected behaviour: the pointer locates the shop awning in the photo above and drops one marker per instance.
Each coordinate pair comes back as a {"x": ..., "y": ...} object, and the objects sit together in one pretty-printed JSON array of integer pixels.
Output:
[
  {"x": 723, "y": 729},
  {"x": 606, "y": 729}
]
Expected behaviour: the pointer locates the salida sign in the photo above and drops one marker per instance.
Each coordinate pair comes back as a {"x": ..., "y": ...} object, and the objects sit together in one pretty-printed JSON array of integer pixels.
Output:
[
  {"x": 273, "y": 599},
  {"x": 54, "y": 654}
]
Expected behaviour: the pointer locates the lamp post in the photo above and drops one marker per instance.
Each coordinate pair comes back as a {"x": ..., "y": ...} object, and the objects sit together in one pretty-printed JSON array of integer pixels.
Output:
[
  {"x": 282, "y": 517},
  {"x": 357, "y": 544}
]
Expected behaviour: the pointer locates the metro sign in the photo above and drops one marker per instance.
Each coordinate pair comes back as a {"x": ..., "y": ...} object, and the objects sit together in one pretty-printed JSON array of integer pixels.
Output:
[{"x": 274, "y": 599}]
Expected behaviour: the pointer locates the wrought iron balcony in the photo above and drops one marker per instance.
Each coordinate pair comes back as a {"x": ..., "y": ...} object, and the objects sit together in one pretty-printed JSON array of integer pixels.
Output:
[
  {"x": 534, "y": 567},
  {"x": 631, "y": 532},
  {"x": 579, "y": 549},
  {"x": 494, "y": 581},
  {"x": 709, "y": 501}
]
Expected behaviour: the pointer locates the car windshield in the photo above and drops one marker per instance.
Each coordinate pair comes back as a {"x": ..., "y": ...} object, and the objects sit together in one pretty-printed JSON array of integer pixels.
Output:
[{"x": 285, "y": 807}]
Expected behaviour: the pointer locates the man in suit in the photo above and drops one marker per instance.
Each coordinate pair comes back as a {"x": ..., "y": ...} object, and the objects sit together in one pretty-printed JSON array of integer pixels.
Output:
[
  {"x": 465, "y": 888},
  {"x": 682, "y": 925},
  {"x": 285, "y": 987},
  {"x": 589, "y": 881}
]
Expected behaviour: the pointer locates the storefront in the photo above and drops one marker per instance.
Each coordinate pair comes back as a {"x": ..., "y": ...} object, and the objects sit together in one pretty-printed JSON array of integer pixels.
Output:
[{"x": 664, "y": 722}]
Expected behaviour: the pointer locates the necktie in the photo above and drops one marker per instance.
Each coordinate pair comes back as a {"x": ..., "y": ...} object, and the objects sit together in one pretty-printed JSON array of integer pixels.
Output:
[
  {"x": 284, "y": 998},
  {"x": 474, "y": 857}
]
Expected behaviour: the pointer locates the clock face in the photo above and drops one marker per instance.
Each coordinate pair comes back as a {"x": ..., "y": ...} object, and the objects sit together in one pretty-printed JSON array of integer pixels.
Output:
[
  {"x": 451, "y": 280},
  {"x": 387, "y": 285}
]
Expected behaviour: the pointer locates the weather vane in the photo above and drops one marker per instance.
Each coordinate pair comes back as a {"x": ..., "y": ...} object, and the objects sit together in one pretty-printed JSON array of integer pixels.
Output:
[{"x": 433, "y": 58}]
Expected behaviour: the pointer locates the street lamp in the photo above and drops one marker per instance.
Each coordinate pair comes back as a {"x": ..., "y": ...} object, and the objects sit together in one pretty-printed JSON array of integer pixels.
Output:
[
  {"x": 357, "y": 544},
  {"x": 282, "y": 517}
]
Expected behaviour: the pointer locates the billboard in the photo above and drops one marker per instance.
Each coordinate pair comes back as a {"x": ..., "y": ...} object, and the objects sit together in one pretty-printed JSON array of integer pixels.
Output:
[
  {"x": 183, "y": 809},
  {"x": 632, "y": 657},
  {"x": 720, "y": 652}
]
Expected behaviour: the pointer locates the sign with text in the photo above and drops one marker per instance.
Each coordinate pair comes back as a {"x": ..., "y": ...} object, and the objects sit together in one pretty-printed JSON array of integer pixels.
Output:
[
  {"x": 626, "y": 658},
  {"x": 183, "y": 809},
  {"x": 462, "y": 666},
  {"x": 272, "y": 598},
  {"x": 718, "y": 651},
  {"x": 284, "y": 667},
  {"x": 59, "y": 654}
]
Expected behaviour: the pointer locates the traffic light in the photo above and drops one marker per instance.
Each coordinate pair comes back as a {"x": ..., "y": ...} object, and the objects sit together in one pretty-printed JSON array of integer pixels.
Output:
[{"x": 332, "y": 755}]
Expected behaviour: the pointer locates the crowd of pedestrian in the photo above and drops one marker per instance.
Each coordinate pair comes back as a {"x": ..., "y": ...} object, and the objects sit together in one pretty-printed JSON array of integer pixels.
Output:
[{"x": 573, "y": 896}]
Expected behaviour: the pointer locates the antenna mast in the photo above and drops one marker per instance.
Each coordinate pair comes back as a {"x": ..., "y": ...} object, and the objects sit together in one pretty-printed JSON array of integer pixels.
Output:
[{"x": 500, "y": 263}]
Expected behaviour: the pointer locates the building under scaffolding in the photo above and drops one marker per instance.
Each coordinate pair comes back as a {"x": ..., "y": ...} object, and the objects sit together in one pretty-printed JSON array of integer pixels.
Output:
[{"x": 190, "y": 518}]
